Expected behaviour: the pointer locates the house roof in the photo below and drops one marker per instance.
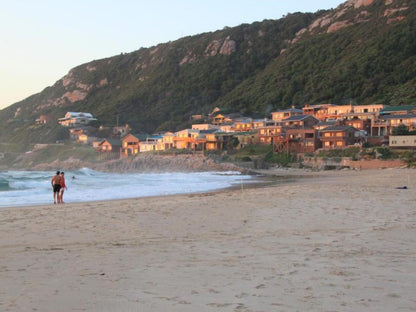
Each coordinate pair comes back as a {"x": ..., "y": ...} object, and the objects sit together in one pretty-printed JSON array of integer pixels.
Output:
[
  {"x": 260, "y": 120},
  {"x": 80, "y": 114},
  {"x": 290, "y": 110},
  {"x": 154, "y": 137},
  {"x": 243, "y": 120},
  {"x": 298, "y": 118},
  {"x": 209, "y": 131},
  {"x": 113, "y": 142},
  {"x": 403, "y": 116},
  {"x": 338, "y": 128},
  {"x": 398, "y": 108}
]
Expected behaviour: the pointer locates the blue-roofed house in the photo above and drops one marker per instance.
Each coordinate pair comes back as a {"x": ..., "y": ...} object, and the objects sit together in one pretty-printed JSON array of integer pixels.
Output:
[{"x": 152, "y": 143}]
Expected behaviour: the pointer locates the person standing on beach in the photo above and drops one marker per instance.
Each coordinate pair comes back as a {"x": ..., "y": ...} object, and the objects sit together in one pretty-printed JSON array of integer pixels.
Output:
[
  {"x": 56, "y": 185},
  {"x": 63, "y": 187}
]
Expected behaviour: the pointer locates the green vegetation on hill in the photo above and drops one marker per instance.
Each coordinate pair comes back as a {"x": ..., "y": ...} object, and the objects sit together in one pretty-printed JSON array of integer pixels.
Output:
[{"x": 240, "y": 69}]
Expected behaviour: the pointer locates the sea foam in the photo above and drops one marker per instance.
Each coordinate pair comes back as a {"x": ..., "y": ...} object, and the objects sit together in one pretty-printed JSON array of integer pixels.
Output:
[{"x": 23, "y": 188}]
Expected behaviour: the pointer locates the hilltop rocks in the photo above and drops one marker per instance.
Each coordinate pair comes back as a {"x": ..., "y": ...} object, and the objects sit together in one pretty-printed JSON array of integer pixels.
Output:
[
  {"x": 335, "y": 20},
  {"x": 359, "y": 3}
]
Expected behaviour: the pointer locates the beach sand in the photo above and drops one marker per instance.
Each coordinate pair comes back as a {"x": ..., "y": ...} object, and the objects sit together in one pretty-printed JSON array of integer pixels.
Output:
[{"x": 330, "y": 241}]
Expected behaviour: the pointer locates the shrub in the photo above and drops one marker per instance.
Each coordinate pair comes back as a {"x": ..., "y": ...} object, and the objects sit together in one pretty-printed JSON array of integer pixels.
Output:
[{"x": 386, "y": 153}]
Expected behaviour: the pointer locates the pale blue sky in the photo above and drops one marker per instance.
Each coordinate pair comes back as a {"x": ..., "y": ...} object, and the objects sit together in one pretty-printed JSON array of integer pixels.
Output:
[{"x": 40, "y": 41}]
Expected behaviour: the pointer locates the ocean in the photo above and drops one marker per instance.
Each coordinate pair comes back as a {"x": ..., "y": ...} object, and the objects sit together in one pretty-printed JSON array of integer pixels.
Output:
[{"x": 26, "y": 188}]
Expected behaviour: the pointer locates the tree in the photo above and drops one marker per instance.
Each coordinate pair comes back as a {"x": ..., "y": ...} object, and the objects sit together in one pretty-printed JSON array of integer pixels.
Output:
[{"x": 401, "y": 130}]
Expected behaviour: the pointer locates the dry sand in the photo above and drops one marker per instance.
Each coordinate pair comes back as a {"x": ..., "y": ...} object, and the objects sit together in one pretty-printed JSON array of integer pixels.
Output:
[{"x": 333, "y": 241}]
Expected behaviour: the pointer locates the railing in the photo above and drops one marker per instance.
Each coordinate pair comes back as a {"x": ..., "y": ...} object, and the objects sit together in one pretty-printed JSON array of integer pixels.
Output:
[{"x": 108, "y": 155}]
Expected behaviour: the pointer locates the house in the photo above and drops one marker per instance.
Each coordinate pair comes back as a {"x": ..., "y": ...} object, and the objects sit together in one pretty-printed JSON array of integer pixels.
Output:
[
  {"x": 398, "y": 110},
  {"x": 286, "y": 113},
  {"x": 73, "y": 119},
  {"x": 403, "y": 141},
  {"x": 130, "y": 144},
  {"x": 363, "y": 124},
  {"x": 337, "y": 136},
  {"x": 368, "y": 109},
  {"x": 74, "y": 133},
  {"x": 338, "y": 111},
  {"x": 300, "y": 121},
  {"x": 207, "y": 140},
  {"x": 227, "y": 127},
  {"x": 219, "y": 119},
  {"x": 204, "y": 126},
  {"x": 83, "y": 138},
  {"x": 121, "y": 130},
  {"x": 325, "y": 124},
  {"x": 151, "y": 144},
  {"x": 393, "y": 121},
  {"x": 43, "y": 119},
  {"x": 297, "y": 140},
  {"x": 213, "y": 142},
  {"x": 259, "y": 123},
  {"x": 110, "y": 145},
  {"x": 109, "y": 149},
  {"x": 318, "y": 111},
  {"x": 186, "y": 139},
  {"x": 246, "y": 138},
  {"x": 269, "y": 134},
  {"x": 243, "y": 124},
  {"x": 167, "y": 140},
  {"x": 303, "y": 140},
  {"x": 197, "y": 117}
]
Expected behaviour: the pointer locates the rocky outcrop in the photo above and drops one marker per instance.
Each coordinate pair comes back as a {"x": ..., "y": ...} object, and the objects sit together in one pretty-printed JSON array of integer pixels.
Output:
[
  {"x": 224, "y": 47},
  {"x": 171, "y": 163},
  {"x": 337, "y": 26},
  {"x": 143, "y": 163},
  {"x": 188, "y": 59},
  {"x": 212, "y": 48},
  {"x": 228, "y": 47}
]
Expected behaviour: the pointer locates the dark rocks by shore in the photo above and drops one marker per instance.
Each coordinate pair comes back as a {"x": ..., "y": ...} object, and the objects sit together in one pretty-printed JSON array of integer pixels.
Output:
[{"x": 145, "y": 163}]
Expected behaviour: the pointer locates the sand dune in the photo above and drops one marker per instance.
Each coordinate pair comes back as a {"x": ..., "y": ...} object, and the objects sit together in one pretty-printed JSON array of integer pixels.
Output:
[{"x": 330, "y": 241}]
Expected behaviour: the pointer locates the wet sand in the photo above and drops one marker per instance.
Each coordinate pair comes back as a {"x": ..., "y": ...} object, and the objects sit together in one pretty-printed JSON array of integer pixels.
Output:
[{"x": 325, "y": 241}]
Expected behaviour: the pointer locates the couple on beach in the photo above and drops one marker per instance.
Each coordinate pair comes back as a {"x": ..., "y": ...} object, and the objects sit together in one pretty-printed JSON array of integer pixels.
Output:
[{"x": 58, "y": 185}]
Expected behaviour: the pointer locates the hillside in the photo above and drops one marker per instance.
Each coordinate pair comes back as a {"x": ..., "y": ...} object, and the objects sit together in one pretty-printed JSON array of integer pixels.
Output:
[{"x": 363, "y": 51}]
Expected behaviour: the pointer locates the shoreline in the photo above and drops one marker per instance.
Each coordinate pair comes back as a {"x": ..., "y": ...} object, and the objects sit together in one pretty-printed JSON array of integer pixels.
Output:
[
  {"x": 339, "y": 241},
  {"x": 259, "y": 180}
]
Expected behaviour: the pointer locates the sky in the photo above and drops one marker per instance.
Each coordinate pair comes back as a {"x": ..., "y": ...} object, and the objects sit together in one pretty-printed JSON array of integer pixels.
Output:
[{"x": 41, "y": 41}]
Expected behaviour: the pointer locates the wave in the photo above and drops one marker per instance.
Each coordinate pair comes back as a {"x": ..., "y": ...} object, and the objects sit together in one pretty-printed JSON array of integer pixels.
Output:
[
  {"x": 34, "y": 187},
  {"x": 4, "y": 185}
]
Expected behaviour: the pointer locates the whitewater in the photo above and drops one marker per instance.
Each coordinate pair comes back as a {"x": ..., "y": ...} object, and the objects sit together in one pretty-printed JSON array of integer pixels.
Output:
[{"x": 27, "y": 188}]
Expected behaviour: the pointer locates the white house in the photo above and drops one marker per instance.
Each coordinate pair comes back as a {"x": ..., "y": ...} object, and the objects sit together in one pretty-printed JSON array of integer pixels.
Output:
[
  {"x": 73, "y": 119},
  {"x": 402, "y": 141}
]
